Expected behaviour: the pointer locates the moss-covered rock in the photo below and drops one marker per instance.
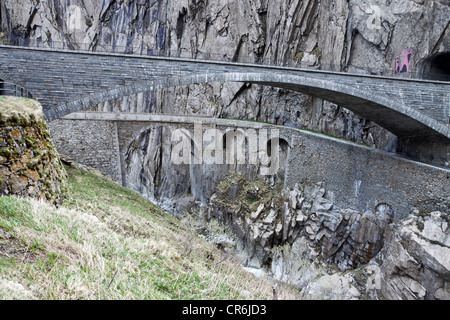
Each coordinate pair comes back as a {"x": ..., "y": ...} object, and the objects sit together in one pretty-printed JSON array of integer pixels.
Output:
[
  {"x": 29, "y": 163},
  {"x": 254, "y": 211}
]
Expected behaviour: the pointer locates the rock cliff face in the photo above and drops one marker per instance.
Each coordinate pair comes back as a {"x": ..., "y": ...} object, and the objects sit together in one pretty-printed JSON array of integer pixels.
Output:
[
  {"x": 299, "y": 234},
  {"x": 266, "y": 218},
  {"x": 415, "y": 261}
]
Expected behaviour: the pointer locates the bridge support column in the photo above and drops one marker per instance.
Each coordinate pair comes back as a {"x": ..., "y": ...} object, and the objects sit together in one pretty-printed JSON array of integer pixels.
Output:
[
  {"x": 121, "y": 160},
  {"x": 92, "y": 143}
]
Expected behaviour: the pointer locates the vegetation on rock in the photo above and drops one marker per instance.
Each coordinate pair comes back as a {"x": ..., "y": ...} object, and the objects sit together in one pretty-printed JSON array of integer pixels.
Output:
[{"x": 29, "y": 162}]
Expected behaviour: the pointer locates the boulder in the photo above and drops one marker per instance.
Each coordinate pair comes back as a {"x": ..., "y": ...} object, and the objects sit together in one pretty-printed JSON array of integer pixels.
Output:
[{"x": 415, "y": 260}]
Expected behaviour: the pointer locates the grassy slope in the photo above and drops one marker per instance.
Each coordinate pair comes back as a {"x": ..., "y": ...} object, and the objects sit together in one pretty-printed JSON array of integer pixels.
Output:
[
  {"x": 107, "y": 242},
  {"x": 19, "y": 109}
]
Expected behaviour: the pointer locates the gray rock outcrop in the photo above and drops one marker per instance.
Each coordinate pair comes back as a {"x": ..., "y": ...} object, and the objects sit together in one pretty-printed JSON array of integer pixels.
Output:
[{"x": 335, "y": 253}]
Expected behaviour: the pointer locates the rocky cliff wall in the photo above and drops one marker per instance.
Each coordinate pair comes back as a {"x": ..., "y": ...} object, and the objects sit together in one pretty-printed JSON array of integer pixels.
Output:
[{"x": 300, "y": 236}]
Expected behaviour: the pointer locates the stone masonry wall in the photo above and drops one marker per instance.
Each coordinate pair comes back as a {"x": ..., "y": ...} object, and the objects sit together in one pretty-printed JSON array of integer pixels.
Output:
[
  {"x": 355, "y": 176},
  {"x": 29, "y": 163},
  {"x": 361, "y": 178},
  {"x": 92, "y": 143}
]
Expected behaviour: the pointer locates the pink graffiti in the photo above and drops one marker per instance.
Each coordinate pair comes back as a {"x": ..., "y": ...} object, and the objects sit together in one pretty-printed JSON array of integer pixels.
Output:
[{"x": 404, "y": 65}]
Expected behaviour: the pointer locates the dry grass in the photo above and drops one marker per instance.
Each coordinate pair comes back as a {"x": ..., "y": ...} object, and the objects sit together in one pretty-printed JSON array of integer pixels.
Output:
[
  {"x": 19, "y": 109},
  {"x": 108, "y": 242}
]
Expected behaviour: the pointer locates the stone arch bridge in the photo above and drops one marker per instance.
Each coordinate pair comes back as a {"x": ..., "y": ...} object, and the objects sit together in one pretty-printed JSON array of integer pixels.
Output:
[
  {"x": 415, "y": 110},
  {"x": 356, "y": 176},
  {"x": 67, "y": 81}
]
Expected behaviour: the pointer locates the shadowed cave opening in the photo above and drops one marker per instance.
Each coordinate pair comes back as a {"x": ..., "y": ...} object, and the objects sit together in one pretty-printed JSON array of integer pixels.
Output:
[{"x": 437, "y": 67}]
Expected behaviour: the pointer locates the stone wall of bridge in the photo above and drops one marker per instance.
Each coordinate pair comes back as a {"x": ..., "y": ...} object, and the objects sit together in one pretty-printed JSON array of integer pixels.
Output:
[
  {"x": 68, "y": 81},
  {"x": 92, "y": 143},
  {"x": 355, "y": 176}
]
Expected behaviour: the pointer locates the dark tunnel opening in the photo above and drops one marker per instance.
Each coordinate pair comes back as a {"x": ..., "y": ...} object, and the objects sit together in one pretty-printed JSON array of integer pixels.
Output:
[{"x": 437, "y": 67}]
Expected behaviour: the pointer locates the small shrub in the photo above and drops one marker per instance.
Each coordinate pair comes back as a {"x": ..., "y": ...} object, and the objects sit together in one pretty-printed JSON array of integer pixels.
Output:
[{"x": 420, "y": 225}]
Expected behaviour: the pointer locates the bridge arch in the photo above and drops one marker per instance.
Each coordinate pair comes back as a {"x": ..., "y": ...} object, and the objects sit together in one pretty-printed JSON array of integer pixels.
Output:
[
  {"x": 393, "y": 115},
  {"x": 283, "y": 154}
]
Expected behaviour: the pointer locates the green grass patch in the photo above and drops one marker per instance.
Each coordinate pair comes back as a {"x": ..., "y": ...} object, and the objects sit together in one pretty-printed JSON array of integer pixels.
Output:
[
  {"x": 9, "y": 207},
  {"x": 108, "y": 242},
  {"x": 100, "y": 191},
  {"x": 13, "y": 213},
  {"x": 332, "y": 136},
  {"x": 257, "y": 121}
]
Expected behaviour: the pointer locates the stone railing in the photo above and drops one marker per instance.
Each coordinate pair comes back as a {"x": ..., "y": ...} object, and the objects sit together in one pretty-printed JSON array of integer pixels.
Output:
[
  {"x": 211, "y": 56},
  {"x": 11, "y": 89}
]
